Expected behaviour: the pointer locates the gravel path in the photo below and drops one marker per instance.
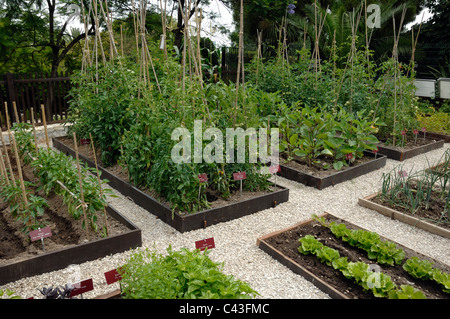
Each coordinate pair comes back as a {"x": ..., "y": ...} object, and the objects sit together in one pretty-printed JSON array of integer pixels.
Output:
[{"x": 236, "y": 240}]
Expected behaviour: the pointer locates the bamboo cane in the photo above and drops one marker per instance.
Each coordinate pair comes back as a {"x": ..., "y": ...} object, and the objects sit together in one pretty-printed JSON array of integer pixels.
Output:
[
  {"x": 16, "y": 114},
  {"x": 241, "y": 41},
  {"x": 3, "y": 168},
  {"x": 22, "y": 184},
  {"x": 163, "y": 22},
  {"x": 8, "y": 161},
  {"x": 80, "y": 180},
  {"x": 100, "y": 184},
  {"x": 44, "y": 120},
  {"x": 34, "y": 130}
]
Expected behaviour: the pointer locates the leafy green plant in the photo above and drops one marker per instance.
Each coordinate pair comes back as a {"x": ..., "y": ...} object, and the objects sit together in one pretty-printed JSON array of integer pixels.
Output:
[
  {"x": 100, "y": 107},
  {"x": 423, "y": 269},
  {"x": 406, "y": 292},
  {"x": 385, "y": 252},
  {"x": 27, "y": 213},
  {"x": 378, "y": 283},
  {"x": 435, "y": 121},
  {"x": 30, "y": 215},
  {"x": 182, "y": 274},
  {"x": 315, "y": 134},
  {"x": 24, "y": 138},
  {"x": 8, "y": 294},
  {"x": 58, "y": 173}
]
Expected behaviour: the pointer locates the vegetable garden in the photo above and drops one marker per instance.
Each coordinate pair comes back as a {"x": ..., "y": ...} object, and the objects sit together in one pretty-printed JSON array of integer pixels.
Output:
[{"x": 151, "y": 125}]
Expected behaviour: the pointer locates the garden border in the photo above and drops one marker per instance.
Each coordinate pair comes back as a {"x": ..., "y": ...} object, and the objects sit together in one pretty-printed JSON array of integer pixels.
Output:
[
  {"x": 339, "y": 177},
  {"x": 438, "y": 136},
  {"x": 405, "y": 218},
  {"x": 190, "y": 221},
  {"x": 80, "y": 253},
  {"x": 262, "y": 243},
  {"x": 403, "y": 155}
]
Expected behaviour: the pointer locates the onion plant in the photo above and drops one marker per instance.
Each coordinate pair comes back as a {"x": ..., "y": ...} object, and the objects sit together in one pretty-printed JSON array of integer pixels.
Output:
[{"x": 414, "y": 191}]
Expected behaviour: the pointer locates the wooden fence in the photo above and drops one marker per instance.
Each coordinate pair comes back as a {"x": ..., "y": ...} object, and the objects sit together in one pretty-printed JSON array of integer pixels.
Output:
[{"x": 31, "y": 92}]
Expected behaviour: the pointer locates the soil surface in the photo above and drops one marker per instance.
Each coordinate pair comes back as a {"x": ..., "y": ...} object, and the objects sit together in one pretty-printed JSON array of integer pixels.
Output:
[
  {"x": 15, "y": 245},
  {"x": 121, "y": 172},
  {"x": 300, "y": 164},
  {"x": 409, "y": 143},
  {"x": 434, "y": 213},
  {"x": 287, "y": 243}
]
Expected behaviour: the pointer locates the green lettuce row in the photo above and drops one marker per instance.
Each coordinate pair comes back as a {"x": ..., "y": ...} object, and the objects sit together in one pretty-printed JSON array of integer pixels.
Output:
[
  {"x": 385, "y": 252},
  {"x": 378, "y": 283},
  {"x": 423, "y": 269}
]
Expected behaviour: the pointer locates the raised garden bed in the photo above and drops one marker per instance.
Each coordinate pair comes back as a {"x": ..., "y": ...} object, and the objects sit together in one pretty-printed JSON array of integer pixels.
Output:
[
  {"x": 331, "y": 177},
  {"x": 77, "y": 253},
  {"x": 248, "y": 204},
  {"x": 421, "y": 221},
  {"x": 438, "y": 136},
  {"x": 411, "y": 149},
  {"x": 283, "y": 246},
  {"x": 67, "y": 243}
]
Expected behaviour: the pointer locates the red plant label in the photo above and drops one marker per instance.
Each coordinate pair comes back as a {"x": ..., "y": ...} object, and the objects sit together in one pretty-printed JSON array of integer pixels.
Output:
[
  {"x": 376, "y": 150},
  {"x": 82, "y": 287},
  {"x": 203, "y": 178},
  {"x": 349, "y": 156},
  {"x": 403, "y": 173},
  {"x": 40, "y": 233},
  {"x": 239, "y": 176},
  {"x": 85, "y": 141},
  {"x": 205, "y": 243},
  {"x": 424, "y": 129},
  {"x": 416, "y": 131},
  {"x": 403, "y": 132},
  {"x": 274, "y": 169},
  {"x": 112, "y": 276}
]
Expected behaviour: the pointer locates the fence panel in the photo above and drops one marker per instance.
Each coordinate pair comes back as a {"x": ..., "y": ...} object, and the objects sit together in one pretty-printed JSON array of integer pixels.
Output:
[{"x": 29, "y": 92}]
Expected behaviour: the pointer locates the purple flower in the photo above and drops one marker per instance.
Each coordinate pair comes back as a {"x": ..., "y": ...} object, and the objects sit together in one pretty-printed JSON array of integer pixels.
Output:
[{"x": 290, "y": 8}]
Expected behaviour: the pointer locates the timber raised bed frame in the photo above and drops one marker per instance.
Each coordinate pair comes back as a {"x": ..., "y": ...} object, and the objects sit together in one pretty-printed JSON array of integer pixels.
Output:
[
  {"x": 405, "y": 218},
  {"x": 81, "y": 253},
  {"x": 336, "y": 178},
  {"x": 187, "y": 222},
  {"x": 397, "y": 155}
]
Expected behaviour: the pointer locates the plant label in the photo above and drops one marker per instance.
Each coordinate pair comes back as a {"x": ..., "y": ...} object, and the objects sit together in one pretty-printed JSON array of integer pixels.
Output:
[
  {"x": 239, "y": 176},
  {"x": 85, "y": 141},
  {"x": 40, "y": 233},
  {"x": 403, "y": 173},
  {"x": 112, "y": 276},
  {"x": 416, "y": 131},
  {"x": 403, "y": 132},
  {"x": 82, "y": 287},
  {"x": 424, "y": 129},
  {"x": 274, "y": 169},
  {"x": 203, "y": 178},
  {"x": 205, "y": 243},
  {"x": 349, "y": 156}
]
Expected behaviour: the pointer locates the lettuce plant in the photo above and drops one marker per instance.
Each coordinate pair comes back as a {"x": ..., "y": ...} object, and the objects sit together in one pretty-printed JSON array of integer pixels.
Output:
[
  {"x": 378, "y": 283},
  {"x": 182, "y": 274}
]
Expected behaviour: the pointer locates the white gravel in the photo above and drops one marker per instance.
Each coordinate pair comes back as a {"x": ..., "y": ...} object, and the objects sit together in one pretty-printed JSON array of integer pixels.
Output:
[{"x": 236, "y": 240}]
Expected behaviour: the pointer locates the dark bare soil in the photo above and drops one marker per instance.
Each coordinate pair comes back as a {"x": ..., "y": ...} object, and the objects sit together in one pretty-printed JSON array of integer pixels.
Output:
[
  {"x": 409, "y": 143},
  {"x": 287, "y": 244},
  {"x": 433, "y": 214},
  {"x": 300, "y": 164}
]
